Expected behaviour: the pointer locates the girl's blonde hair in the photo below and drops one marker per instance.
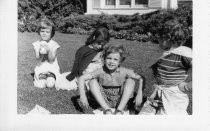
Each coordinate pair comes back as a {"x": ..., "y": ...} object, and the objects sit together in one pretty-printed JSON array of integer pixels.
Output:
[
  {"x": 115, "y": 49},
  {"x": 45, "y": 24}
]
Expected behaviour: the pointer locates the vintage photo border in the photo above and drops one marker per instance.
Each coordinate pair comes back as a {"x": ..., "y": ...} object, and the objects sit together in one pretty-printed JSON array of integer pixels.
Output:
[{"x": 8, "y": 92}]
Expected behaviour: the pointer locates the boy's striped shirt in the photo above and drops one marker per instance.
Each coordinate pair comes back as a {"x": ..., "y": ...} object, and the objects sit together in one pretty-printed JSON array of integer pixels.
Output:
[{"x": 172, "y": 69}]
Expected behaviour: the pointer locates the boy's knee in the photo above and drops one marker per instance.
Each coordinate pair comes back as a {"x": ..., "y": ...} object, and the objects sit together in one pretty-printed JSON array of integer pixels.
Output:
[
  {"x": 94, "y": 86},
  {"x": 92, "y": 83},
  {"x": 130, "y": 83},
  {"x": 50, "y": 82},
  {"x": 128, "y": 86}
]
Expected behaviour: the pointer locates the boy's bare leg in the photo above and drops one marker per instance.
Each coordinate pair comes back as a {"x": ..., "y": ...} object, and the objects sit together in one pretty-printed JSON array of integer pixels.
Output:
[
  {"x": 95, "y": 90},
  {"x": 127, "y": 92}
]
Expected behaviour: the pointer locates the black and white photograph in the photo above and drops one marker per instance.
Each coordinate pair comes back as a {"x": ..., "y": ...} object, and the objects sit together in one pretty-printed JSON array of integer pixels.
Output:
[
  {"x": 132, "y": 60},
  {"x": 118, "y": 57}
]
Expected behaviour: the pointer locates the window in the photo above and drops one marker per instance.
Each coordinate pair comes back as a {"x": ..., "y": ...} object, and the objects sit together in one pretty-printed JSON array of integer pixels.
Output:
[
  {"x": 139, "y": 2},
  {"x": 125, "y": 2},
  {"x": 110, "y": 2}
]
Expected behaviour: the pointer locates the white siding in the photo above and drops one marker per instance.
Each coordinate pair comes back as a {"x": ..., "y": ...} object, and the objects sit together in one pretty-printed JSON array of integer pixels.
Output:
[{"x": 96, "y": 3}]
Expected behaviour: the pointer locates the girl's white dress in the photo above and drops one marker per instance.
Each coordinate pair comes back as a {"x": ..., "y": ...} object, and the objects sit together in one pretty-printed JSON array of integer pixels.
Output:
[
  {"x": 44, "y": 66},
  {"x": 61, "y": 82}
]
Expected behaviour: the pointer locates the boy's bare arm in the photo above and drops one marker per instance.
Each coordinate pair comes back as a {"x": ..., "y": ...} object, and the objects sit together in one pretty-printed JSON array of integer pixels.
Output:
[
  {"x": 189, "y": 78},
  {"x": 81, "y": 85},
  {"x": 139, "y": 96},
  {"x": 138, "y": 99},
  {"x": 187, "y": 84}
]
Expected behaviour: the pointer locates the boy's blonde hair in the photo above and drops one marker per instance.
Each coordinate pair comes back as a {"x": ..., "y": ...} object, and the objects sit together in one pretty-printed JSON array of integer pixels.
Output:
[
  {"x": 45, "y": 24},
  {"x": 115, "y": 49},
  {"x": 174, "y": 31}
]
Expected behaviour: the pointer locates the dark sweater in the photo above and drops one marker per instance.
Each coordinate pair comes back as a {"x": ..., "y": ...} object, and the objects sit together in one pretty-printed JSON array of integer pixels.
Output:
[{"x": 83, "y": 58}]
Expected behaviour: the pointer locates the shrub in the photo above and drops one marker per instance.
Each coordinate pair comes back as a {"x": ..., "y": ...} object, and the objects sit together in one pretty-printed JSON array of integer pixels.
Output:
[
  {"x": 80, "y": 31},
  {"x": 131, "y": 27}
]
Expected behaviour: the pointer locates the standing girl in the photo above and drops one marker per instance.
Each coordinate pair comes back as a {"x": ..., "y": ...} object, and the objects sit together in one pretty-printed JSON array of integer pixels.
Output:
[
  {"x": 45, "y": 48},
  {"x": 109, "y": 85}
]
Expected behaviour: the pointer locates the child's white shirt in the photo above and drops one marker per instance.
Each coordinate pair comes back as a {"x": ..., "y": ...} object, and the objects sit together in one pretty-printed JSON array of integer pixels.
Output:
[
  {"x": 45, "y": 66},
  {"x": 182, "y": 50}
]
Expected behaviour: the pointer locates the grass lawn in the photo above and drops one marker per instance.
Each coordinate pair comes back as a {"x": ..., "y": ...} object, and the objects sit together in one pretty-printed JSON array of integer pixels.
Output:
[{"x": 62, "y": 101}]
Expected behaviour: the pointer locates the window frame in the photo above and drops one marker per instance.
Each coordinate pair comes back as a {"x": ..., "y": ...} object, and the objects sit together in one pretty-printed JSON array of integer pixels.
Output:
[{"x": 131, "y": 6}]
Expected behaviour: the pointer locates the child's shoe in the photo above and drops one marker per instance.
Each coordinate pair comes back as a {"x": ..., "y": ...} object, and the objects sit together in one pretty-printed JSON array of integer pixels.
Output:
[
  {"x": 108, "y": 112},
  {"x": 147, "y": 109},
  {"x": 118, "y": 112}
]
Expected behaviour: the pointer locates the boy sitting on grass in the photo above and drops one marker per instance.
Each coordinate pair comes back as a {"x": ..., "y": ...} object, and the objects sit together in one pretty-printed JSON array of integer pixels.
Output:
[{"x": 112, "y": 85}]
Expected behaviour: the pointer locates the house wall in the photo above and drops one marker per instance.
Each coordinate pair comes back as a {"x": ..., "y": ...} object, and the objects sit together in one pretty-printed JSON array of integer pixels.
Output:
[{"x": 98, "y": 7}]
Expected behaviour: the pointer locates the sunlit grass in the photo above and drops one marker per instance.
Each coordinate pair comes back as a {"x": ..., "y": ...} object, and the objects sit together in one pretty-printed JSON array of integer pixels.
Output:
[{"x": 63, "y": 102}]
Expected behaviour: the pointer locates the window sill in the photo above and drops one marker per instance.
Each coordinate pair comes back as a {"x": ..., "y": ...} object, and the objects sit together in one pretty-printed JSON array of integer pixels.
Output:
[
  {"x": 142, "y": 8},
  {"x": 125, "y": 7}
]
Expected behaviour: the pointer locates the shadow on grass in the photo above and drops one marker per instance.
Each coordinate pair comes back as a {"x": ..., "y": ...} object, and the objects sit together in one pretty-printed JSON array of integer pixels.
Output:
[
  {"x": 75, "y": 101},
  {"x": 93, "y": 104},
  {"x": 79, "y": 107}
]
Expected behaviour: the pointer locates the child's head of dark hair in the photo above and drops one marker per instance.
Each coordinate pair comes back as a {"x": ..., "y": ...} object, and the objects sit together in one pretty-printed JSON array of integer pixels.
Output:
[
  {"x": 46, "y": 24},
  {"x": 99, "y": 36},
  {"x": 188, "y": 42},
  {"x": 115, "y": 49},
  {"x": 173, "y": 32}
]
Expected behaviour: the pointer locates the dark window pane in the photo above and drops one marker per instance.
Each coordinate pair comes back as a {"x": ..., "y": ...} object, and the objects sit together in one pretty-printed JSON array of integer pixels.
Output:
[
  {"x": 125, "y": 2},
  {"x": 139, "y": 2},
  {"x": 110, "y": 2}
]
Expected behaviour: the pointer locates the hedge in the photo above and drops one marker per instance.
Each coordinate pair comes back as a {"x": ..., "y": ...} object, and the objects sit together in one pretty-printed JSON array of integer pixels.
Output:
[{"x": 130, "y": 27}]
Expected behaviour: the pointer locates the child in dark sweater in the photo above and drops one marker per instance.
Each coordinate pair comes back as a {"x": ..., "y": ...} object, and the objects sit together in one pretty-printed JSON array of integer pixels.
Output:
[{"x": 88, "y": 57}]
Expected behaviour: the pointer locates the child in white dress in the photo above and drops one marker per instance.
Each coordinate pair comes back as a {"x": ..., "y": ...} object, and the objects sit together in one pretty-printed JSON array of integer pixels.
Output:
[{"x": 47, "y": 70}]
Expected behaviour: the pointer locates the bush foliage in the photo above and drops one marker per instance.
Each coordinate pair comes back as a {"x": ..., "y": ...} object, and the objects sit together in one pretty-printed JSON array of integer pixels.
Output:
[
  {"x": 68, "y": 18},
  {"x": 30, "y": 11}
]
